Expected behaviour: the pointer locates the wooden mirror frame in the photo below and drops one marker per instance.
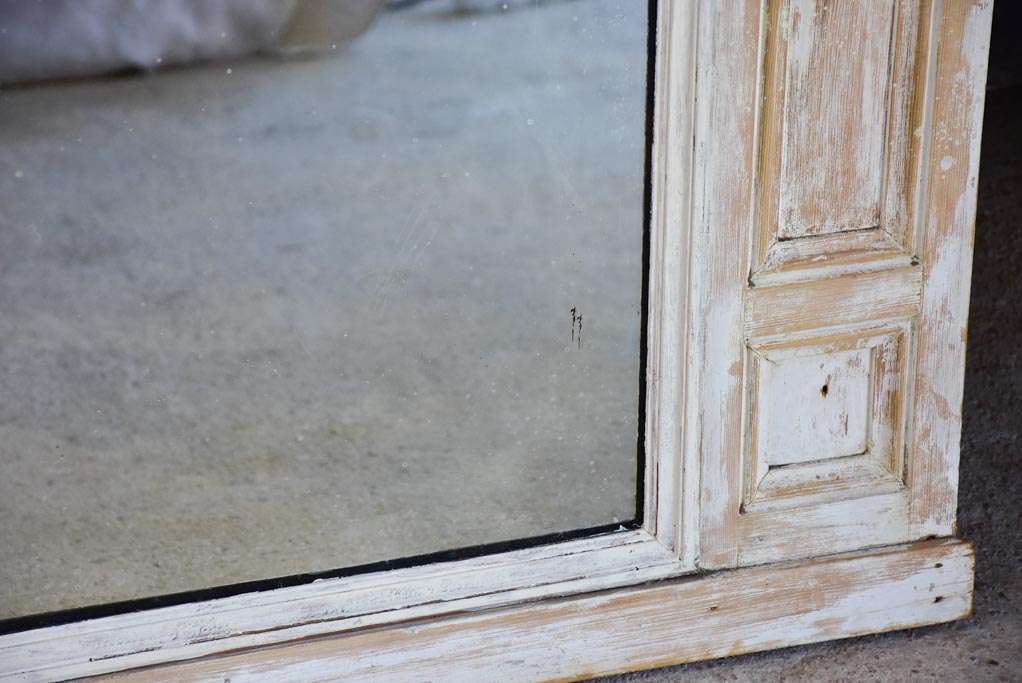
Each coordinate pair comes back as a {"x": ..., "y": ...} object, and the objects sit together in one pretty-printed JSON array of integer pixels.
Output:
[{"x": 800, "y": 229}]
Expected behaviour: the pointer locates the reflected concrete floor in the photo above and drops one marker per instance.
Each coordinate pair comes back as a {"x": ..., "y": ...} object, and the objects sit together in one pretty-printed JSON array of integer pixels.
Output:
[{"x": 278, "y": 316}]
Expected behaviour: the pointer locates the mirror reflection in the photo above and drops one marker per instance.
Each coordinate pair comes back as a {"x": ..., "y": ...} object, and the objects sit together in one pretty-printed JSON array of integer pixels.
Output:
[{"x": 293, "y": 286}]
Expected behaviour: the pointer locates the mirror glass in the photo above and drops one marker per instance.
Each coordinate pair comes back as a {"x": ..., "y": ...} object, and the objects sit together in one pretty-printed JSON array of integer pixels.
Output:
[{"x": 287, "y": 287}]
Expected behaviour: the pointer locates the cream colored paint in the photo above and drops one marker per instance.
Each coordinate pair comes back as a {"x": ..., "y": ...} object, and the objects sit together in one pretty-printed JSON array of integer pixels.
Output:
[
  {"x": 671, "y": 484},
  {"x": 959, "y": 70},
  {"x": 721, "y": 285},
  {"x": 833, "y": 236},
  {"x": 333, "y": 606},
  {"x": 835, "y": 98},
  {"x": 805, "y": 420},
  {"x": 630, "y": 629}
]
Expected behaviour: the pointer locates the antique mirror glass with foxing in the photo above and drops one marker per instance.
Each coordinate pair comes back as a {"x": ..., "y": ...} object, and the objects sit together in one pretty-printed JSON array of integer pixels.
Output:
[{"x": 476, "y": 340}]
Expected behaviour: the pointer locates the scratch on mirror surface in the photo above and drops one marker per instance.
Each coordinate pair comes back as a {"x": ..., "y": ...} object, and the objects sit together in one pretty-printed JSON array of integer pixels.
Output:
[{"x": 383, "y": 292}]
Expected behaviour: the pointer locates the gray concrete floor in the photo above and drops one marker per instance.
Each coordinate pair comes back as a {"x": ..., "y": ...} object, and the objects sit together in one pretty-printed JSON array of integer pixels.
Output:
[
  {"x": 274, "y": 316},
  {"x": 988, "y": 645}
]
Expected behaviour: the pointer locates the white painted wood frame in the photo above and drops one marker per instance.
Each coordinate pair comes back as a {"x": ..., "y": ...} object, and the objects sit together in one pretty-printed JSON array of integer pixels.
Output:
[{"x": 807, "y": 305}]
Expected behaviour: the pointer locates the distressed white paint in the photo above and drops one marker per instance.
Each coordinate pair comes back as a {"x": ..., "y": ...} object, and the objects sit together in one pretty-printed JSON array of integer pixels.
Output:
[
  {"x": 643, "y": 627},
  {"x": 836, "y": 81},
  {"x": 804, "y": 420},
  {"x": 837, "y": 248},
  {"x": 962, "y": 32},
  {"x": 837, "y": 158},
  {"x": 720, "y": 284},
  {"x": 830, "y": 523},
  {"x": 726, "y": 112},
  {"x": 672, "y": 488},
  {"x": 827, "y": 416},
  {"x": 833, "y": 302},
  {"x": 822, "y": 482},
  {"x": 830, "y": 255},
  {"x": 333, "y": 606}
]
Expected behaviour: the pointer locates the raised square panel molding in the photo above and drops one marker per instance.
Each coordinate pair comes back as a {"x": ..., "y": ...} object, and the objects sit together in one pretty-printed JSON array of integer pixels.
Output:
[{"x": 826, "y": 417}]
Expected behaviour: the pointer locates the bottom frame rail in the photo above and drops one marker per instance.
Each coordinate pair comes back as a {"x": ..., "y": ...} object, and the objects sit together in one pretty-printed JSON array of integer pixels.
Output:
[{"x": 714, "y": 615}]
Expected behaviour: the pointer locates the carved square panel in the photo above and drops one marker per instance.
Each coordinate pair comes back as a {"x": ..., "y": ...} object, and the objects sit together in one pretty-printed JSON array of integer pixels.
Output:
[{"x": 825, "y": 415}]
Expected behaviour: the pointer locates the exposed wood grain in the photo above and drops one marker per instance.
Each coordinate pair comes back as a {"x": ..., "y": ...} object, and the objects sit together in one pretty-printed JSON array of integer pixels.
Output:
[
  {"x": 672, "y": 488},
  {"x": 814, "y": 407},
  {"x": 719, "y": 615},
  {"x": 826, "y": 411},
  {"x": 749, "y": 254},
  {"x": 836, "y": 85},
  {"x": 963, "y": 32},
  {"x": 831, "y": 526},
  {"x": 728, "y": 64},
  {"x": 845, "y": 301},
  {"x": 832, "y": 255},
  {"x": 818, "y": 483},
  {"x": 838, "y": 154},
  {"x": 925, "y": 206},
  {"x": 906, "y": 120},
  {"x": 333, "y": 606}
]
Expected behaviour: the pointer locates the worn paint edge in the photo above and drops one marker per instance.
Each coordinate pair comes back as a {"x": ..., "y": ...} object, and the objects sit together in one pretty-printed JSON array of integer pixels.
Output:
[
  {"x": 213, "y": 627},
  {"x": 956, "y": 99},
  {"x": 716, "y": 615},
  {"x": 671, "y": 494}
]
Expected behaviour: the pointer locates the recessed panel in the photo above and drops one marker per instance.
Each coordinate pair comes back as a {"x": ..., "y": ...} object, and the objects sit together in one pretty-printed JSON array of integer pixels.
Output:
[
  {"x": 839, "y": 135},
  {"x": 836, "y": 84}
]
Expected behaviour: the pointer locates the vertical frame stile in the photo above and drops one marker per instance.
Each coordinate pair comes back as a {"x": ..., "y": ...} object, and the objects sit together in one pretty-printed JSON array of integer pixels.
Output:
[
  {"x": 671, "y": 511},
  {"x": 726, "y": 110},
  {"x": 949, "y": 208},
  {"x": 657, "y": 439}
]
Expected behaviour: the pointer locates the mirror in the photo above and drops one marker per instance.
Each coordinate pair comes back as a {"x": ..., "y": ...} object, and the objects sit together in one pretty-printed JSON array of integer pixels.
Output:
[{"x": 292, "y": 287}]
